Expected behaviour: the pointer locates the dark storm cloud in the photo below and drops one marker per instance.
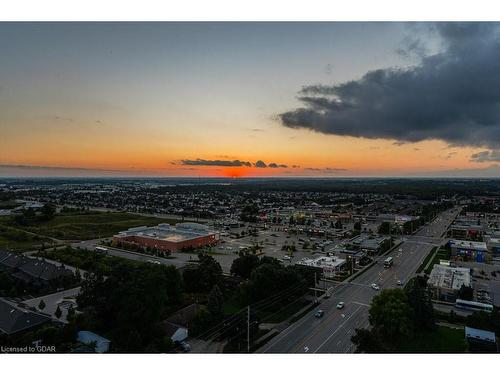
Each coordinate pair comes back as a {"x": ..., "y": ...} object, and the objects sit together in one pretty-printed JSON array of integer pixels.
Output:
[
  {"x": 260, "y": 164},
  {"x": 452, "y": 96},
  {"x": 486, "y": 156},
  {"x": 275, "y": 165},
  {"x": 218, "y": 163}
]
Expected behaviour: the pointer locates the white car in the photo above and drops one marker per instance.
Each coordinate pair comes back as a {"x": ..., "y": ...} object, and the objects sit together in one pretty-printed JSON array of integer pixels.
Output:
[
  {"x": 340, "y": 305},
  {"x": 286, "y": 257},
  {"x": 399, "y": 282},
  {"x": 375, "y": 287}
]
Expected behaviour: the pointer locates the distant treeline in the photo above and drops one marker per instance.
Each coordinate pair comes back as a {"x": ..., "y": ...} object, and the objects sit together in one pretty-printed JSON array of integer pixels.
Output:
[{"x": 420, "y": 188}]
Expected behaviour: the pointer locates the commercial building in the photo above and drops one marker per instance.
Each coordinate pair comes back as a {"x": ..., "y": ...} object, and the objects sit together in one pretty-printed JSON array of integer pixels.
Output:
[
  {"x": 469, "y": 250},
  {"x": 493, "y": 244},
  {"x": 464, "y": 231},
  {"x": 369, "y": 244},
  {"x": 166, "y": 237},
  {"x": 445, "y": 282},
  {"x": 330, "y": 266}
]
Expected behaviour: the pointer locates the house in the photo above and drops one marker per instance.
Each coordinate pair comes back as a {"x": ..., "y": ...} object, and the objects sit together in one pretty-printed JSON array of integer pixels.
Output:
[
  {"x": 31, "y": 270},
  {"x": 15, "y": 319},
  {"x": 176, "y": 332},
  {"x": 91, "y": 339},
  {"x": 176, "y": 325}
]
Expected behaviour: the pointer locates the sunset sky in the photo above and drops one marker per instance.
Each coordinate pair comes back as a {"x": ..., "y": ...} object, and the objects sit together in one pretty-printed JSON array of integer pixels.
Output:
[{"x": 249, "y": 99}]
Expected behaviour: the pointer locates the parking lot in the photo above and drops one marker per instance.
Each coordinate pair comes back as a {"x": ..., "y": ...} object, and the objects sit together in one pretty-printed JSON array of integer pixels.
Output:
[{"x": 485, "y": 280}]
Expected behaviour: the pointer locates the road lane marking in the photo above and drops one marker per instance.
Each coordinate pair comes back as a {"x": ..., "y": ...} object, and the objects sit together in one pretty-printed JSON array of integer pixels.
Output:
[{"x": 339, "y": 327}]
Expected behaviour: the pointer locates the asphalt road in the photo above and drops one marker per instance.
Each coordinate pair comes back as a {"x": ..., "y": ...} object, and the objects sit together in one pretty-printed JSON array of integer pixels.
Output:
[{"x": 333, "y": 332}]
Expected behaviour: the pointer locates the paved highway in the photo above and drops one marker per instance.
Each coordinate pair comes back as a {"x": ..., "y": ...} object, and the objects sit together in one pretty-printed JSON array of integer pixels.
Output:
[{"x": 332, "y": 333}]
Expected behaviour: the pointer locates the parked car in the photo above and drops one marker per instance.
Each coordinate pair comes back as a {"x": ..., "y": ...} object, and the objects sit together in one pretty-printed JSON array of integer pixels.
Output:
[
  {"x": 399, "y": 282},
  {"x": 375, "y": 286},
  {"x": 340, "y": 305}
]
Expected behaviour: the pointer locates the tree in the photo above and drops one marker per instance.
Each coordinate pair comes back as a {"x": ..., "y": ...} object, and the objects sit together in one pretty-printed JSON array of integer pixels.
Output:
[
  {"x": 244, "y": 265},
  {"x": 202, "y": 278},
  {"x": 391, "y": 313},
  {"x": 131, "y": 303},
  {"x": 58, "y": 312},
  {"x": 489, "y": 321},
  {"x": 42, "y": 305},
  {"x": 215, "y": 303},
  {"x": 420, "y": 301},
  {"x": 367, "y": 342},
  {"x": 357, "y": 226},
  {"x": 466, "y": 293},
  {"x": 270, "y": 278},
  {"x": 48, "y": 211},
  {"x": 71, "y": 313},
  {"x": 384, "y": 228}
]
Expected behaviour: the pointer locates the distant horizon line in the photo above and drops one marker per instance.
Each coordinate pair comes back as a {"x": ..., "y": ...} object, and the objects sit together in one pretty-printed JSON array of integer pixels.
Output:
[{"x": 252, "y": 177}]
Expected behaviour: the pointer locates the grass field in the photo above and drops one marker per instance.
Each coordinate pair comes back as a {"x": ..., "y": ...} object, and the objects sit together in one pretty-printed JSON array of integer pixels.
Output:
[
  {"x": 442, "y": 254},
  {"x": 427, "y": 259},
  {"x": 85, "y": 260},
  {"x": 442, "y": 340},
  {"x": 84, "y": 226},
  {"x": 17, "y": 240},
  {"x": 8, "y": 204}
]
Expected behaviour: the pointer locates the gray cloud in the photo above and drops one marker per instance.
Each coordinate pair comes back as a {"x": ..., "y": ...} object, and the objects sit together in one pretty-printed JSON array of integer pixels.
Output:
[
  {"x": 218, "y": 163},
  {"x": 491, "y": 171},
  {"x": 451, "y": 95},
  {"x": 260, "y": 164},
  {"x": 326, "y": 170},
  {"x": 274, "y": 165},
  {"x": 52, "y": 168},
  {"x": 486, "y": 156},
  {"x": 449, "y": 155}
]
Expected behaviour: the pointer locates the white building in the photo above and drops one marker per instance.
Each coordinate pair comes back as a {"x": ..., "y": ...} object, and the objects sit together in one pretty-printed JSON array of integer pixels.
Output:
[{"x": 330, "y": 266}]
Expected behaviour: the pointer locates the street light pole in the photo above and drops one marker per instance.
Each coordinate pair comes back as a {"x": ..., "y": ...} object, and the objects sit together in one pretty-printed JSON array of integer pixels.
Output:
[{"x": 248, "y": 329}]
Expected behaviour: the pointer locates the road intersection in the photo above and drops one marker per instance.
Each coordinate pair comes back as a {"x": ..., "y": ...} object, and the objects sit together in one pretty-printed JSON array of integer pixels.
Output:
[{"x": 332, "y": 333}]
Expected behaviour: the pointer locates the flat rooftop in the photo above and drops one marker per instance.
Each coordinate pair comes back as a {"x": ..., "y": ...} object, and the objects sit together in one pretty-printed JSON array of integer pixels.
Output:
[
  {"x": 166, "y": 232},
  {"x": 469, "y": 245},
  {"x": 322, "y": 262},
  {"x": 449, "y": 277}
]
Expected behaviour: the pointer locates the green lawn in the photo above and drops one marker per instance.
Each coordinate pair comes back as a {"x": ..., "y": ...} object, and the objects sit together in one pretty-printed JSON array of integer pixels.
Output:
[
  {"x": 442, "y": 340},
  {"x": 427, "y": 259},
  {"x": 9, "y": 204},
  {"x": 85, "y": 260},
  {"x": 13, "y": 239},
  {"x": 84, "y": 226},
  {"x": 442, "y": 254}
]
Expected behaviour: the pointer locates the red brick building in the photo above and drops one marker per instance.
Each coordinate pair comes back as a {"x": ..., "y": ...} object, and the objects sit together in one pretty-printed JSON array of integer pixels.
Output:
[{"x": 169, "y": 238}]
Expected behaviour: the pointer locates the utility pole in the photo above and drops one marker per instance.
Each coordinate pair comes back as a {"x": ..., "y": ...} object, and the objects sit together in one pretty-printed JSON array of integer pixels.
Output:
[{"x": 248, "y": 329}]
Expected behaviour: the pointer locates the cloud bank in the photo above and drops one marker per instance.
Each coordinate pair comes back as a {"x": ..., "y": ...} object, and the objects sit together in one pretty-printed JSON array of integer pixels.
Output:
[
  {"x": 230, "y": 163},
  {"x": 452, "y": 96}
]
